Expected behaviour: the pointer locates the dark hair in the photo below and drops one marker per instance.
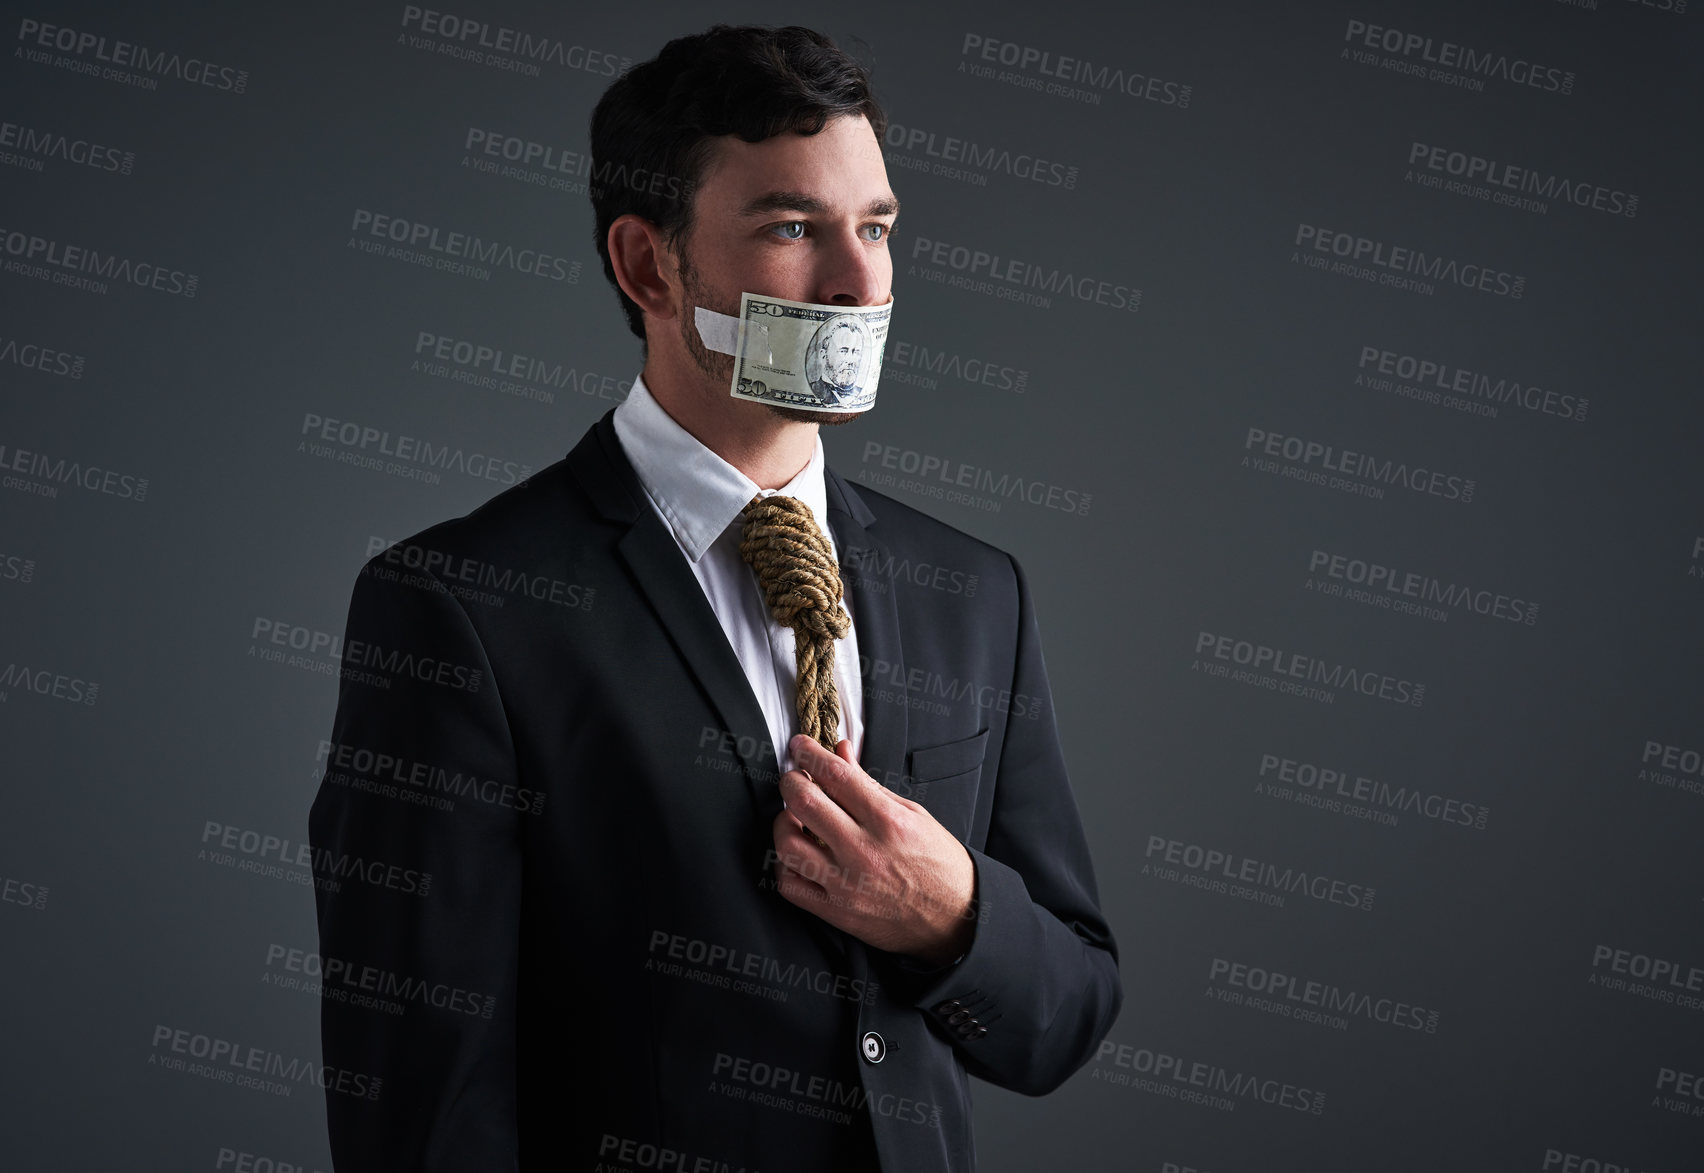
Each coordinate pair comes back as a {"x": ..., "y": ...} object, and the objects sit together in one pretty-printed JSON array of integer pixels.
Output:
[{"x": 652, "y": 128}]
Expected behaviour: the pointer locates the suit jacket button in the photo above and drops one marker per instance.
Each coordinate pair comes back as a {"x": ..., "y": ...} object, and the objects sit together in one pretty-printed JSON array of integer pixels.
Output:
[
  {"x": 979, "y": 1031},
  {"x": 875, "y": 1048},
  {"x": 948, "y": 1006},
  {"x": 958, "y": 1016}
]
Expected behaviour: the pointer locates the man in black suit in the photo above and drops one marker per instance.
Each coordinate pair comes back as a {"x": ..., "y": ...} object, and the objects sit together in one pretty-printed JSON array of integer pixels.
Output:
[{"x": 574, "y": 914}]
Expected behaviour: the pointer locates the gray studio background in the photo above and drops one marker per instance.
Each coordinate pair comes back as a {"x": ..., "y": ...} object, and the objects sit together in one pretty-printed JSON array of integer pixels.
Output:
[{"x": 1506, "y": 965}]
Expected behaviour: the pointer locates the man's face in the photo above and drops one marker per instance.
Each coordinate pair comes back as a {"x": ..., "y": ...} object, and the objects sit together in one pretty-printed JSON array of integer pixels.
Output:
[{"x": 804, "y": 217}]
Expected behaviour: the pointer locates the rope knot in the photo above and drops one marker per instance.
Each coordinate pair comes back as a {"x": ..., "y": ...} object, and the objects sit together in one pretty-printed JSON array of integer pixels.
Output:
[{"x": 801, "y": 586}]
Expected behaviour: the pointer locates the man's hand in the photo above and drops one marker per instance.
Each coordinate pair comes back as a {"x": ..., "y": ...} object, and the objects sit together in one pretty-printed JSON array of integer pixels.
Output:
[{"x": 886, "y": 871}]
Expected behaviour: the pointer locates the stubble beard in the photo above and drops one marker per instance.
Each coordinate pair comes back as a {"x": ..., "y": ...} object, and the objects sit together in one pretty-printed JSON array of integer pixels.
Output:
[{"x": 719, "y": 367}]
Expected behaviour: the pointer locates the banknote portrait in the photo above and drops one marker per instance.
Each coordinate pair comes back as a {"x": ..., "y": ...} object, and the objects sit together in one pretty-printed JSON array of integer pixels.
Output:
[{"x": 837, "y": 358}]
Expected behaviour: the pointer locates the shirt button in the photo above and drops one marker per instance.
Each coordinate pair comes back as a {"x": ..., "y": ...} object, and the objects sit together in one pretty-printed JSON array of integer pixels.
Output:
[{"x": 875, "y": 1049}]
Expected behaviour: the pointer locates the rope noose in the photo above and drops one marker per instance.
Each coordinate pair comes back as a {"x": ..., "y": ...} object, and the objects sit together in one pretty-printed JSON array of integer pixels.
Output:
[{"x": 801, "y": 586}]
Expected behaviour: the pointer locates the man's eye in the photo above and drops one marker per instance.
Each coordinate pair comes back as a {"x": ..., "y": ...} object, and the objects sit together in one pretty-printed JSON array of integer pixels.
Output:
[
  {"x": 799, "y": 224},
  {"x": 883, "y": 231}
]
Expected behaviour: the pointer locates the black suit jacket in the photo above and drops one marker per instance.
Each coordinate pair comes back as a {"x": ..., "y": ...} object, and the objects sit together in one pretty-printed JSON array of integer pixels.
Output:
[{"x": 544, "y": 861}]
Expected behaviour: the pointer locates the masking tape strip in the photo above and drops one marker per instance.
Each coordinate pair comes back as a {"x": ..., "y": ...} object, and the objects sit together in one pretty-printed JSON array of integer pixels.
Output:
[{"x": 719, "y": 331}]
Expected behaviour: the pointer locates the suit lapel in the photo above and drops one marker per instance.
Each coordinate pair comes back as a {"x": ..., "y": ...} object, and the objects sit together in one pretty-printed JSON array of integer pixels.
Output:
[
  {"x": 671, "y": 588},
  {"x": 876, "y": 619},
  {"x": 876, "y": 616}
]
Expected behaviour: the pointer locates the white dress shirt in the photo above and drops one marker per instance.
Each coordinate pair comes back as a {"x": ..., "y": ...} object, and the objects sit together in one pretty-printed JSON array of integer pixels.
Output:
[{"x": 700, "y": 496}]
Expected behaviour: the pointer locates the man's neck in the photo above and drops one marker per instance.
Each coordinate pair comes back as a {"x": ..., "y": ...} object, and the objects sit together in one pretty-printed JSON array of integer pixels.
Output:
[{"x": 769, "y": 450}]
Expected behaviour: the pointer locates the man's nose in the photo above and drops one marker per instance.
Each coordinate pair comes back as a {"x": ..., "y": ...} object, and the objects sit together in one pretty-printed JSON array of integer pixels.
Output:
[{"x": 852, "y": 272}]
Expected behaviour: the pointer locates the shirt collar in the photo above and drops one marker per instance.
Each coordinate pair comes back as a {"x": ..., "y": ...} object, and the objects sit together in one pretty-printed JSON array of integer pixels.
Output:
[{"x": 697, "y": 492}]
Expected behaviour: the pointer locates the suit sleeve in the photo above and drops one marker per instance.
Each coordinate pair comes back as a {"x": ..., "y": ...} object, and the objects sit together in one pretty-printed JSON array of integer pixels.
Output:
[
  {"x": 418, "y": 717},
  {"x": 1038, "y": 989}
]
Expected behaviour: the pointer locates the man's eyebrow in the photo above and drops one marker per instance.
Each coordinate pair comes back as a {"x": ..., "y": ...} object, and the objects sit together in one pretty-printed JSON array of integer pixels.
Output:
[{"x": 798, "y": 201}]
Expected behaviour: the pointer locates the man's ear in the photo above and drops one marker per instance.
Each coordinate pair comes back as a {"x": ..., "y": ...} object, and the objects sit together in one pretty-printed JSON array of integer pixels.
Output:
[{"x": 643, "y": 268}]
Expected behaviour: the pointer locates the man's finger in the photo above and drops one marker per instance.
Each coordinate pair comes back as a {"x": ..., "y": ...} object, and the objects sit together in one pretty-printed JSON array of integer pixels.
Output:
[
  {"x": 802, "y": 829},
  {"x": 844, "y": 781},
  {"x": 798, "y": 854},
  {"x": 815, "y": 807}
]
